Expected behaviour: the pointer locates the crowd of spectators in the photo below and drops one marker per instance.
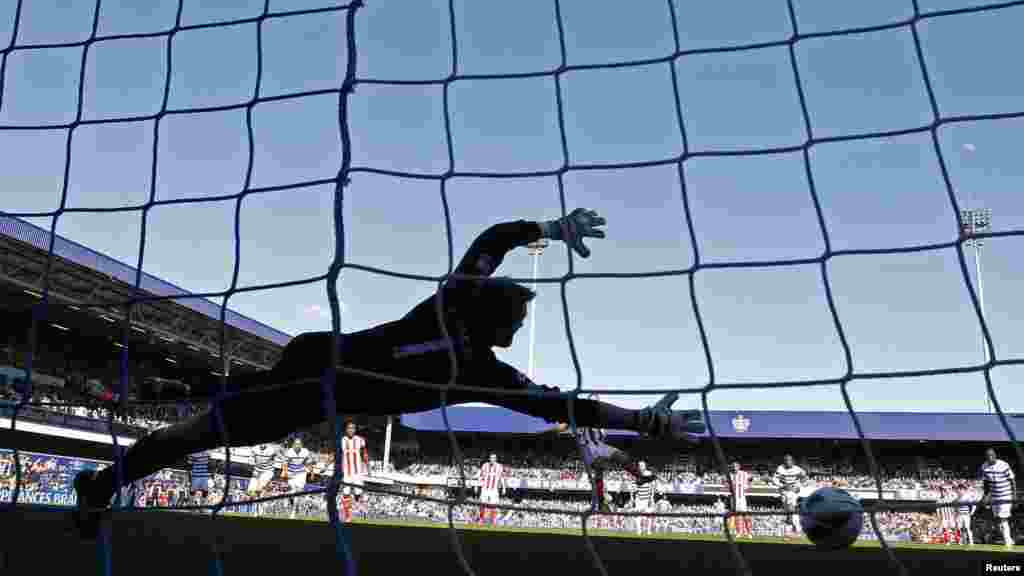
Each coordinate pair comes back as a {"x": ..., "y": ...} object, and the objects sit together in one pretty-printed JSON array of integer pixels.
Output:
[
  {"x": 170, "y": 489},
  {"x": 143, "y": 417}
]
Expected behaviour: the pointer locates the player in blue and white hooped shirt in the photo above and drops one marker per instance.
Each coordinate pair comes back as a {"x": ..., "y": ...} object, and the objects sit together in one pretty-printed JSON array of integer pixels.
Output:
[
  {"x": 200, "y": 476},
  {"x": 263, "y": 458},
  {"x": 789, "y": 479},
  {"x": 294, "y": 462},
  {"x": 1000, "y": 488},
  {"x": 643, "y": 498},
  {"x": 966, "y": 498}
]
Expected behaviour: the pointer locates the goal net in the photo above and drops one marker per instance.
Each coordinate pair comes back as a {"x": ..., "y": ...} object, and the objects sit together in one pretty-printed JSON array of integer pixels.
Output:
[{"x": 789, "y": 82}]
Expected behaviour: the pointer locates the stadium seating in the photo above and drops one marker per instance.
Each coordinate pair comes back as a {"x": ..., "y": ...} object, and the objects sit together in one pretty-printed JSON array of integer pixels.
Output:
[{"x": 554, "y": 470}]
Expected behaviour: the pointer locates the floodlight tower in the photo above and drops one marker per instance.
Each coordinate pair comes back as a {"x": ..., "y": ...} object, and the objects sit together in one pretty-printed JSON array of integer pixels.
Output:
[
  {"x": 973, "y": 222},
  {"x": 534, "y": 249}
]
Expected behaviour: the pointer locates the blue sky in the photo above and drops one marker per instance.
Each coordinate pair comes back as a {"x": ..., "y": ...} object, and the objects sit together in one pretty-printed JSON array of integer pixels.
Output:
[{"x": 900, "y": 312}]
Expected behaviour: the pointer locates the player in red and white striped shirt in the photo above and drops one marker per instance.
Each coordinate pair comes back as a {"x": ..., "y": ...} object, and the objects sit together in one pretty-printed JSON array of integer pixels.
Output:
[
  {"x": 355, "y": 466},
  {"x": 947, "y": 515},
  {"x": 492, "y": 484},
  {"x": 741, "y": 482}
]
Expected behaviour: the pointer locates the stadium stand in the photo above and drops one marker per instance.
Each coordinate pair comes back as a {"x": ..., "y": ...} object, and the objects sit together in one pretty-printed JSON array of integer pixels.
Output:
[
  {"x": 173, "y": 324},
  {"x": 543, "y": 472}
]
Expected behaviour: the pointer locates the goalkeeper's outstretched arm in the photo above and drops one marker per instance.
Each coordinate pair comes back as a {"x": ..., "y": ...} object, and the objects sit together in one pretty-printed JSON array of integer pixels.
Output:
[{"x": 488, "y": 250}]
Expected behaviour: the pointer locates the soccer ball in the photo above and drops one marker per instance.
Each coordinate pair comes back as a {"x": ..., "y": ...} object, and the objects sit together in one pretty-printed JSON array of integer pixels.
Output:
[{"x": 831, "y": 518}]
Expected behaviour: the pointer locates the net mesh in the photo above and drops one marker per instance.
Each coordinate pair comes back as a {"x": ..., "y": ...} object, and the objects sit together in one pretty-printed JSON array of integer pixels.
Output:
[{"x": 340, "y": 263}]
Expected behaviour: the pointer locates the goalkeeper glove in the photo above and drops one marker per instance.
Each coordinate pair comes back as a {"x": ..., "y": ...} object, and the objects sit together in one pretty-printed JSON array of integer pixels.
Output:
[{"x": 573, "y": 228}]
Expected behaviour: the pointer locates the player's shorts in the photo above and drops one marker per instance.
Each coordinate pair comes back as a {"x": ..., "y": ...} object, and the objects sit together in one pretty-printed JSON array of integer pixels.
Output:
[
  {"x": 963, "y": 521},
  {"x": 489, "y": 497},
  {"x": 1002, "y": 511},
  {"x": 258, "y": 482},
  {"x": 296, "y": 482},
  {"x": 643, "y": 507},
  {"x": 739, "y": 505},
  {"x": 353, "y": 486},
  {"x": 789, "y": 500},
  {"x": 201, "y": 484}
]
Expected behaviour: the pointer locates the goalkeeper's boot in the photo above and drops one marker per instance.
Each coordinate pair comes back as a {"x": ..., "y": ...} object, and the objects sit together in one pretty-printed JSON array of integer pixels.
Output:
[
  {"x": 660, "y": 421},
  {"x": 87, "y": 515}
]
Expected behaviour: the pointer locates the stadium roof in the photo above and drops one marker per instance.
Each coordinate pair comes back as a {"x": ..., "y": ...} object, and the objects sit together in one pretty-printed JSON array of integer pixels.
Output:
[
  {"x": 754, "y": 424},
  {"x": 83, "y": 256}
]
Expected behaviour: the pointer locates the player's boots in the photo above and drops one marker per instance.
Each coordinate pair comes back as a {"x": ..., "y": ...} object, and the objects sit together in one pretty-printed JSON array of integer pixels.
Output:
[
  {"x": 660, "y": 421},
  {"x": 86, "y": 516}
]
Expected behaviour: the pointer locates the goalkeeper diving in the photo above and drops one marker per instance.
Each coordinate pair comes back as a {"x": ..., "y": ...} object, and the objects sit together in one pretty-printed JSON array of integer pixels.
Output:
[{"x": 479, "y": 313}]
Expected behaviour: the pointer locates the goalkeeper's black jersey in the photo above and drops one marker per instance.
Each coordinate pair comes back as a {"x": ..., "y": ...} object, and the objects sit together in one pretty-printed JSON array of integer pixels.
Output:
[{"x": 414, "y": 346}]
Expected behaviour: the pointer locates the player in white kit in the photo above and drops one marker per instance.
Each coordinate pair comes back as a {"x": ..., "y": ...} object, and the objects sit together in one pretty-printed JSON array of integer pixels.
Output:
[
  {"x": 355, "y": 467},
  {"x": 294, "y": 461},
  {"x": 492, "y": 484},
  {"x": 789, "y": 479}
]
